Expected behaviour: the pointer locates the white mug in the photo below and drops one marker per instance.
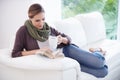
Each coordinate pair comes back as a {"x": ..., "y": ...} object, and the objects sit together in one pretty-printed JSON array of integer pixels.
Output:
[{"x": 53, "y": 40}]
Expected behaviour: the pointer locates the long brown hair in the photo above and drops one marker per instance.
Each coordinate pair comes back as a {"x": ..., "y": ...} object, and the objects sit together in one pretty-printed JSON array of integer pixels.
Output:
[{"x": 34, "y": 9}]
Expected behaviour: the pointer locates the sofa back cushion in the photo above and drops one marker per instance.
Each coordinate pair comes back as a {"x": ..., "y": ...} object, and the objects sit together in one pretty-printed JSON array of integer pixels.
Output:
[
  {"x": 73, "y": 28},
  {"x": 93, "y": 24}
]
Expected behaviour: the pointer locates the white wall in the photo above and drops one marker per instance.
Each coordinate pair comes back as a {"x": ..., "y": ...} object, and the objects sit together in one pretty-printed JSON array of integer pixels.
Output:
[{"x": 14, "y": 12}]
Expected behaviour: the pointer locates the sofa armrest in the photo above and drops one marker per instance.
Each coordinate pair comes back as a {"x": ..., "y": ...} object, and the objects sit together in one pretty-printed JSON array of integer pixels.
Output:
[
  {"x": 37, "y": 62},
  {"x": 43, "y": 68}
]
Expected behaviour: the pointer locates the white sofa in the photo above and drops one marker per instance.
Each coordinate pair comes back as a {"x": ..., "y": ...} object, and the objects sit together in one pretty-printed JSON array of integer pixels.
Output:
[
  {"x": 86, "y": 30},
  {"x": 37, "y": 67}
]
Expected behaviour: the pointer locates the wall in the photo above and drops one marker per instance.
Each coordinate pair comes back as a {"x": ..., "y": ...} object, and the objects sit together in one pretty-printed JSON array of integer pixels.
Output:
[{"x": 14, "y": 12}]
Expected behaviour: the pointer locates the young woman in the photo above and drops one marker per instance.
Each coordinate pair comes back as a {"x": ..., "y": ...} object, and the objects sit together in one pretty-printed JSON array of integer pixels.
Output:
[{"x": 32, "y": 38}]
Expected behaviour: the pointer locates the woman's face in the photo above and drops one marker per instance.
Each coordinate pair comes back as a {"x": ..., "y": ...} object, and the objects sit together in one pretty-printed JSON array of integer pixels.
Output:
[{"x": 38, "y": 20}]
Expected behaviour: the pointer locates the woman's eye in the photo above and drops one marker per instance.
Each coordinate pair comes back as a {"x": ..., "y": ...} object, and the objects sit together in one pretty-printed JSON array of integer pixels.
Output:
[
  {"x": 43, "y": 19},
  {"x": 37, "y": 20}
]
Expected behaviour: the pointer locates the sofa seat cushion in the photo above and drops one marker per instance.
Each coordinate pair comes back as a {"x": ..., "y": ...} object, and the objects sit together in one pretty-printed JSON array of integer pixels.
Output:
[
  {"x": 113, "y": 74},
  {"x": 112, "y": 58},
  {"x": 86, "y": 76},
  {"x": 111, "y": 46}
]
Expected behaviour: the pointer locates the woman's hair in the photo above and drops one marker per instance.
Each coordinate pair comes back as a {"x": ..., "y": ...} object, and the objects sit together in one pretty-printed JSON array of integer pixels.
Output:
[{"x": 34, "y": 9}]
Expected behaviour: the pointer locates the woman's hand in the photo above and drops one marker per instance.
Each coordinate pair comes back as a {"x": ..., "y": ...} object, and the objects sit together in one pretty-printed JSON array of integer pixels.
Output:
[
  {"x": 62, "y": 39},
  {"x": 46, "y": 52},
  {"x": 44, "y": 49}
]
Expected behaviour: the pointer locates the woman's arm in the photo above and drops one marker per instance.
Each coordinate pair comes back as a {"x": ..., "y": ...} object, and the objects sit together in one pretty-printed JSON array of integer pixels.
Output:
[
  {"x": 43, "y": 51},
  {"x": 21, "y": 43},
  {"x": 63, "y": 38},
  {"x": 31, "y": 52}
]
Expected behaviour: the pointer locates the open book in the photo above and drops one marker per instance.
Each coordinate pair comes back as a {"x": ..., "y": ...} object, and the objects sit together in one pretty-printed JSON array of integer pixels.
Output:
[
  {"x": 52, "y": 44},
  {"x": 55, "y": 54},
  {"x": 53, "y": 41}
]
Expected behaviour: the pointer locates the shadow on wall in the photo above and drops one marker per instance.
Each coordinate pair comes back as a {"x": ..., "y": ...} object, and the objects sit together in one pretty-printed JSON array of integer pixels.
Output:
[{"x": 13, "y": 14}]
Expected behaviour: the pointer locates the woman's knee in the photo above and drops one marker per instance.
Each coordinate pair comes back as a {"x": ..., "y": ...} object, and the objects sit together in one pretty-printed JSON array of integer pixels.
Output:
[
  {"x": 99, "y": 73},
  {"x": 103, "y": 73}
]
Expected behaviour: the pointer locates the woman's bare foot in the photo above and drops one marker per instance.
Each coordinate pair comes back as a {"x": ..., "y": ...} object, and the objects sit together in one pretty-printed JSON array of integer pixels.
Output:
[{"x": 97, "y": 49}]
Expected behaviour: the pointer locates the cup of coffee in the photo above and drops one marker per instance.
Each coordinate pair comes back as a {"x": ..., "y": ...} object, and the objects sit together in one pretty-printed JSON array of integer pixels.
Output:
[{"x": 53, "y": 42}]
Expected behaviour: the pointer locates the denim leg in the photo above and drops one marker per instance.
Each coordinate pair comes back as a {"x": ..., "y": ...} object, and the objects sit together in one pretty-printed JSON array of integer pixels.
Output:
[
  {"x": 99, "y": 55},
  {"x": 99, "y": 73},
  {"x": 83, "y": 57}
]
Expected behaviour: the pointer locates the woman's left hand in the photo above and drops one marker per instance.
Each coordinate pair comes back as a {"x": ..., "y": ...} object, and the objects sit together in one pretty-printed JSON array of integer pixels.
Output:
[{"x": 62, "y": 39}]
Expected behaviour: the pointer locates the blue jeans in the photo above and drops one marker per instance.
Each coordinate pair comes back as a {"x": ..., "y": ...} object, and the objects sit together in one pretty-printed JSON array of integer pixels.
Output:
[{"x": 90, "y": 63}]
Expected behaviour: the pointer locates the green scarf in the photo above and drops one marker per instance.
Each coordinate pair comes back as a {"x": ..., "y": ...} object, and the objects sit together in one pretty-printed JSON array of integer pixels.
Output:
[{"x": 38, "y": 34}]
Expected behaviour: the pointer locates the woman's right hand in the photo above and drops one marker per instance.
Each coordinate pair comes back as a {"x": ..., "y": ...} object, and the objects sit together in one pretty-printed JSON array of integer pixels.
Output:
[
  {"x": 45, "y": 49},
  {"x": 46, "y": 52}
]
